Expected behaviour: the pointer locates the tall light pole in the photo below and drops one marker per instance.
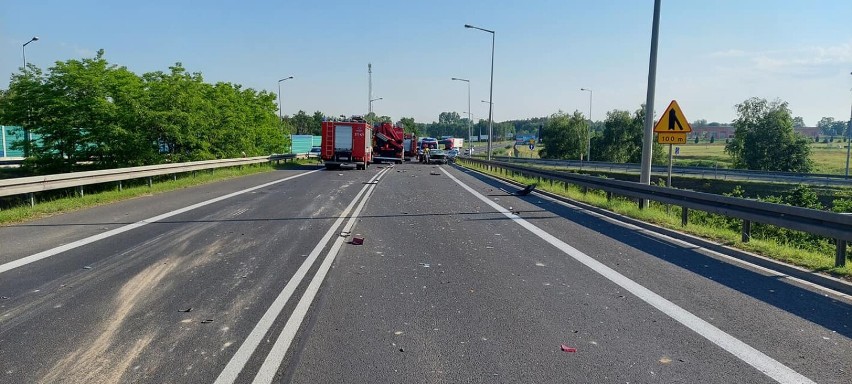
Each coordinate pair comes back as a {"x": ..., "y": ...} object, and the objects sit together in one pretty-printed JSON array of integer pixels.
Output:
[
  {"x": 848, "y": 140},
  {"x": 648, "y": 139},
  {"x": 489, "y": 128},
  {"x": 589, "y": 147},
  {"x": 369, "y": 87},
  {"x": 371, "y": 104},
  {"x": 468, "y": 108},
  {"x": 24, "y": 50},
  {"x": 27, "y": 136},
  {"x": 280, "y": 116},
  {"x": 491, "y": 89}
]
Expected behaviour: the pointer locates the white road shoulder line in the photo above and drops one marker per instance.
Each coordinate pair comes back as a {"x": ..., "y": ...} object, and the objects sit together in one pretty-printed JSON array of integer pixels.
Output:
[
  {"x": 238, "y": 361},
  {"x": 273, "y": 361},
  {"x": 91, "y": 239},
  {"x": 685, "y": 243},
  {"x": 769, "y": 366}
]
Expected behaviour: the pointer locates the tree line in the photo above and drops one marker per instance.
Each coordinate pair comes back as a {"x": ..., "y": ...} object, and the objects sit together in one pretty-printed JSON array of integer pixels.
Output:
[
  {"x": 764, "y": 138},
  {"x": 90, "y": 114}
]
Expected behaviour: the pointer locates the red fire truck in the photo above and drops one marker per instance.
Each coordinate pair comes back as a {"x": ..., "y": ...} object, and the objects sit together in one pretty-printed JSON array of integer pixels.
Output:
[
  {"x": 347, "y": 143},
  {"x": 409, "y": 146}
]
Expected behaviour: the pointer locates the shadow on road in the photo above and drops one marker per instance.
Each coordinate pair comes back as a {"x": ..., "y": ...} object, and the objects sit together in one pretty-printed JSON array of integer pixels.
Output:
[{"x": 817, "y": 308}]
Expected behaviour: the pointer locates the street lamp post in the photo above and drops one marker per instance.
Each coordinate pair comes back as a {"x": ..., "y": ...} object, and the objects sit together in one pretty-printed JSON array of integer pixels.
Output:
[
  {"x": 489, "y": 128},
  {"x": 24, "y": 50},
  {"x": 589, "y": 147},
  {"x": 280, "y": 116},
  {"x": 468, "y": 108},
  {"x": 491, "y": 89},
  {"x": 648, "y": 139},
  {"x": 27, "y": 136},
  {"x": 371, "y": 104}
]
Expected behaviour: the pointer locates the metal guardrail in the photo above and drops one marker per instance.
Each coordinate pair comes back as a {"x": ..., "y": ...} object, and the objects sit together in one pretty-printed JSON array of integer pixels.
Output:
[
  {"x": 829, "y": 224},
  {"x": 32, "y": 184},
  {"x": 703, "y": 172}
]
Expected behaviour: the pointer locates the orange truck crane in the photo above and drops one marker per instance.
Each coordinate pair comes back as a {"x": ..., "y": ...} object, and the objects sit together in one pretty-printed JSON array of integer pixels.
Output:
[{"x": 388, "y": 145}]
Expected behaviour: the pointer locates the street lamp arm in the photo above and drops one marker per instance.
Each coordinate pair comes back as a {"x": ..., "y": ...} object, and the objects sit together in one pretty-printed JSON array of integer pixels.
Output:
[{"x": 481, "y": 29}]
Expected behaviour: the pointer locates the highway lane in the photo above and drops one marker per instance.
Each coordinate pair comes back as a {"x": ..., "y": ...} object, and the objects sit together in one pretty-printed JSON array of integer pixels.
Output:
[
  {"x": 169, "y": 301},
  {"x": 475, "y": 297},
  {"x": 444, "y": 289}
]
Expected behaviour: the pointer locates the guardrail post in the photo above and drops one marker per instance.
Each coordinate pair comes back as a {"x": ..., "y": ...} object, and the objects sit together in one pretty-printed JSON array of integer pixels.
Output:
[
  {"x": 120, "y": 187},
  {"x": 585, "y": 190},
  {"x": 608, "y": 196},
  {"x": 684, "y": 216},
  {"x": 746, "y": 231},
  {"x": 174, "y": 176},
  {"x": 150, "y": 182},
  {"x": 80, "y": 190},
  {"x": 31, "y": 198},
  {"x": 840, "y": 257}
]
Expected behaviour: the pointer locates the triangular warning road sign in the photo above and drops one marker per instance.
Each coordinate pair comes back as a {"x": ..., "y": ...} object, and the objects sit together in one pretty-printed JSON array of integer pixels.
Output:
[{"x": 673, "y": 120}]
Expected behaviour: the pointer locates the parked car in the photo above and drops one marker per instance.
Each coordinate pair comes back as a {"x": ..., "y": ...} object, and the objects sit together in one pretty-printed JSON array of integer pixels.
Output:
[
  {"x": 452, "y": 154},
  {"x": 438, "y": 156},
  {"x": 315, "y": 152}
]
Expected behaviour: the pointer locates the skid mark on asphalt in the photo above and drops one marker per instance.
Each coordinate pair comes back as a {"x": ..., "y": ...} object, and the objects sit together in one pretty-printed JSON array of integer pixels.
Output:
[{"x": 99, "y": 360}]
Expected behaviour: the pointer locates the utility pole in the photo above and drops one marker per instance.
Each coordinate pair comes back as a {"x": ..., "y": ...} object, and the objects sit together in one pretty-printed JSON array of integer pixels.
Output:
[
  {"x": 369, "y": 88},
  {"x": 648, "y": 139}
]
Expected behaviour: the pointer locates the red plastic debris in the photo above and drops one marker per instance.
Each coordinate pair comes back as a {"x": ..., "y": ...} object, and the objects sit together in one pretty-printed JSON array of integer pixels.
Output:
[
  {"x": 357, "y": 240},
  {"x": 566, "y": 348}
]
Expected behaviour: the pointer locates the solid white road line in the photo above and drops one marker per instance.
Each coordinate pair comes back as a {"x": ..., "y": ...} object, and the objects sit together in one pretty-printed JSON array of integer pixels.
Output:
[
  {"x": 276, "y": 356},
  {"x": 769, "y": 366},
  {"x": 238, "y": 361},
  {"x": 668, "y": 240},
  {"x": 91, "y": 239}
]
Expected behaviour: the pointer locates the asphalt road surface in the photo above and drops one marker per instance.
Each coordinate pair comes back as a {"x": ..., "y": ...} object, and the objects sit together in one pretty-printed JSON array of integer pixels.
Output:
[{"x": 261, "y": 279}]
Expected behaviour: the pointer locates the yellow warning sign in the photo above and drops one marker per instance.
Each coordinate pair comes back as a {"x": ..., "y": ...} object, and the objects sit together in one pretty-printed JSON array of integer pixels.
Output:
[
  {"x": 673, "y": 121},
  {"x": 671, "y": 138}
]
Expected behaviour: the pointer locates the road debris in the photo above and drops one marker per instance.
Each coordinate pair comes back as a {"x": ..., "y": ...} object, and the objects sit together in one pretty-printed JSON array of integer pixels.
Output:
[
  {"x": 87, "y": 267},
  {"x": 189, "y": 309},
  {"x": 568, "y": 349},
  {"x": 357, "y": 240},
  {"x": 206, "y": 321},
  {"x": 526, "y": 191}
]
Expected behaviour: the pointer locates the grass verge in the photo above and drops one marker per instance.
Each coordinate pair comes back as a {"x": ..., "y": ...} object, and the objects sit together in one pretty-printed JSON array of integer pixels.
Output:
[
  {"x": 66, "y": 201},
  {"x": 817, "y": 261}
]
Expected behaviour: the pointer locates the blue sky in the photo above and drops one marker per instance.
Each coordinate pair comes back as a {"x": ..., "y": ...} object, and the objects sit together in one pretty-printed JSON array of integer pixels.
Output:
[{"x": 713, "y": 53}]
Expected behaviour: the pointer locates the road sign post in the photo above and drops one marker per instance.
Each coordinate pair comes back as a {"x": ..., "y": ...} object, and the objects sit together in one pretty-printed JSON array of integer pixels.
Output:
[
  {"x": 669, "y": 182},
  {"x": 672, "y": 129}
]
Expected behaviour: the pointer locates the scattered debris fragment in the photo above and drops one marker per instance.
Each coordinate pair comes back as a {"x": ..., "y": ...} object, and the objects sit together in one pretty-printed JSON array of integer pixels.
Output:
[
  {"x": 526, "y": 191},
  {"x": 206, "y": 321},
  {"x": 434, "y": 173},
  {"x": 426, "y": 265},
  {"x": 568, "y": 349},
  {"x": 665, "y": 360},
  {"x": 357, "y": 240},
  {"x": 4, "y": 297},
  {"x": 189, "y": 309},
  {"x": 87, "y": 267}
]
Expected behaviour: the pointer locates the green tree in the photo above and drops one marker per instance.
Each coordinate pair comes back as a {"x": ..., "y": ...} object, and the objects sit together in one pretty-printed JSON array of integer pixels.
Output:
[
  {"x": 301, "y": 123},
  {"x": 764, "y": 138},
  {"x": 565, "y": 135},
  {"x": 798, "y": 122},
  {"x": 621, "y": 140},
  {"x": 409, "y": 125}
]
